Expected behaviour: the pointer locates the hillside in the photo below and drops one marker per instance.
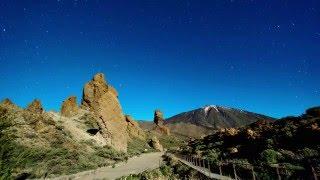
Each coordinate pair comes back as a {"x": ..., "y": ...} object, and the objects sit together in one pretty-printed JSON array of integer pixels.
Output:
[
  {"x": 36, "y": 143},
  {"x": 291, "y": 141}
]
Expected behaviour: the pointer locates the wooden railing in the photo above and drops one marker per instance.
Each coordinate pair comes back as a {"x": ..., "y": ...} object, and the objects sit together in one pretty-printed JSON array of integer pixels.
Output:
[{"x": 235, "y": 170}]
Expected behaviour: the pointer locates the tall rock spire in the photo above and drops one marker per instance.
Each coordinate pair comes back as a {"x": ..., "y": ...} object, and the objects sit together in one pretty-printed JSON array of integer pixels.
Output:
[{"x": 102, "y": 99}]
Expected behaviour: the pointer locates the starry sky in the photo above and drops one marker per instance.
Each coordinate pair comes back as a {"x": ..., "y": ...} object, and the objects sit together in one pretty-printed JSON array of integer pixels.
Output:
[{"x": 261, "y": 56}]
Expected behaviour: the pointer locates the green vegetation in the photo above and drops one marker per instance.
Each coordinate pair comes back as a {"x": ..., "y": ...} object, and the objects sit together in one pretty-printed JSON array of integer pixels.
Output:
[
  {"x": 58, "y": 155},
  {"x": 270, "y": 156},
  {"x": 138, "y": 146},
  {"x": 291, "y": 143},
  {"x": 170, "y": 142}
]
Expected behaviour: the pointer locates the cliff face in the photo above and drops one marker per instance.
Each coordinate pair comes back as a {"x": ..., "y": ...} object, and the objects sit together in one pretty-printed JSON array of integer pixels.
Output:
[{"x": 102, "y": 99}]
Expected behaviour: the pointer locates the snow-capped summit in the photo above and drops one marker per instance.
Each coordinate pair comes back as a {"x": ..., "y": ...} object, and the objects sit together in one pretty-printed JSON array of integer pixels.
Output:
[{"x": 215, "y": 117}]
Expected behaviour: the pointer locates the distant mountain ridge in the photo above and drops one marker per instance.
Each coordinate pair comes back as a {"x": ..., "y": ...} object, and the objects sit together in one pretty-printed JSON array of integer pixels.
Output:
[{"x": 209, "y": 118}]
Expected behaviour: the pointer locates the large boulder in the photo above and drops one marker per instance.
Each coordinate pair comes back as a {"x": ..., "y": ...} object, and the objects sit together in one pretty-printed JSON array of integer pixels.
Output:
[
  {"x": 155, "y": 144},
  {"x": 102, "y": 99},
  {"x": 35, "y": 107},
  {"x": 69, "y": 107}
]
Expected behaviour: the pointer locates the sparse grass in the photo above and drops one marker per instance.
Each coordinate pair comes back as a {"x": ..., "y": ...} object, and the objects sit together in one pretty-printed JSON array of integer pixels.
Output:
[
  {"x": 137, "y": 147},
  {"x": 63, "y": 156}
]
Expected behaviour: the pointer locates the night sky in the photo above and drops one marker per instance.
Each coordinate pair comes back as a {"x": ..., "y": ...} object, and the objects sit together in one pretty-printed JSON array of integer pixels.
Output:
[{"x": 261, "y": 56}]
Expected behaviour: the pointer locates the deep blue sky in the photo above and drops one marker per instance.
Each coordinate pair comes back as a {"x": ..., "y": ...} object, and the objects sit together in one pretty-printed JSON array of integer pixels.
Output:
[{"x": 262, "y": 56}]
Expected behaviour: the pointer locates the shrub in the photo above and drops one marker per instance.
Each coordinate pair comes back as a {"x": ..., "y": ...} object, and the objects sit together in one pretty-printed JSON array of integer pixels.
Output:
[
  {"x": 212, "y": 155},
  {"x": 270, "y": 156},
  {"x": 309, "y": 153}
]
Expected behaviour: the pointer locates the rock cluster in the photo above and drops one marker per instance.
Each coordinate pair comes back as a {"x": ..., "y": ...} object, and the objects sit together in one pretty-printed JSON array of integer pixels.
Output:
[
  {"x": 35, "y": 107},
  {"x": 69, "y": 107},
  {"x": 159, "y": 122}
]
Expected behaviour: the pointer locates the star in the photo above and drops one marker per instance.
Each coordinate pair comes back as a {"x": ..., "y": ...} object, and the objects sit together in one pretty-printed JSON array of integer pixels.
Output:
[{"x": 4, "y": 29}]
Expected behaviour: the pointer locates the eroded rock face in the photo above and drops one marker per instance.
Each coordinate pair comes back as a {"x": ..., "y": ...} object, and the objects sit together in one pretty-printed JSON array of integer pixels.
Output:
[
  {"x": 133, "y": 128},
  {"x": 102, "y": 99},
  {"x": 69, "y": 107},
  {"x": 35, "y": 106},
  {"x": 155, "y": 143},
  {"x": 131, "y": 122}
]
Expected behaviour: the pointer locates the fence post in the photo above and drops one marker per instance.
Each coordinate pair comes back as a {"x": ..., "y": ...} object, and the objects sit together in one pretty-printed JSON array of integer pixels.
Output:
[
  {"x": 253, "y": 176},
  {"x": 234, "y": 171},
  {"x": 278, "y": 174},
  {"x": 204, "y": 163},
  {"x": 209, "y": 165},
  {"x": 220, "y": 169},
  {"x": 314, "y": 173}
]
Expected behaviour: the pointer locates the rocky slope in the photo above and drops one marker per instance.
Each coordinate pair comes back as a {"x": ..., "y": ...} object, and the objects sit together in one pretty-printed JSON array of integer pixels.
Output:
[
  {"x": 202, "y": 121},
  {"x": 291, "y": 141},
  {"x": 79, "y": 137}
]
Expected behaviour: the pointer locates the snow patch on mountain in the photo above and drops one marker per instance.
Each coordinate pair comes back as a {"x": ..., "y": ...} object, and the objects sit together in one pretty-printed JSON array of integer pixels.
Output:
[{"x": 207, "y": 108}]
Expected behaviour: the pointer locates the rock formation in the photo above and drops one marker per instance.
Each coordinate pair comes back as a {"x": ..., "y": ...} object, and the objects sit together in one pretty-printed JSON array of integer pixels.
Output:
[
  {"x": 102, "y": 99},
  {"x": 7, "y": 102},
  {"x": 133, "y": 128},
  {"x": 159, "y": 123},
  {"x": 158, "y": 118},
  {"x": 69, "y": 107},
  {"x": 155, "y": 144},
  {"x": 35, "y": 106}
]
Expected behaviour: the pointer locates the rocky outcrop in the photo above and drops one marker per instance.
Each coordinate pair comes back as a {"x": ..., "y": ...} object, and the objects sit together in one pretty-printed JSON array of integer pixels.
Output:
[
  {"x": 7, "y": 102},
  {"x": 69, "y": 107},
  {"x": 159, "y": 123},
  {"x": 229, "y": 131},
  {"x": 102, "y": 99},
  {"x": 155, "y": 144},
  {"x": 35, "y": 106},
  {"x": 133, "y": 128},
  {"x": 315, "y": 112},
  {"x": 158, "y": 118}
]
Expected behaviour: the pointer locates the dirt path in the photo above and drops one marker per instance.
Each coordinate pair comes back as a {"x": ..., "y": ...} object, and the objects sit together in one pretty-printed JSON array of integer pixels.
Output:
[{"x": 134, "y": 165}]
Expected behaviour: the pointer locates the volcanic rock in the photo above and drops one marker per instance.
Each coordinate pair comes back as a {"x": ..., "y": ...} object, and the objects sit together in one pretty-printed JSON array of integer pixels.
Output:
[
  {"x": 133, "y": 128},
  {"x": 69, "y": 107},
  {"x": 159, "y": 123},
  {"x": 154, "y": 143},
  {"x": 158, "y": 118},
  {"x": 35, "y": 106},
  {"x": 102, "y": 99}
]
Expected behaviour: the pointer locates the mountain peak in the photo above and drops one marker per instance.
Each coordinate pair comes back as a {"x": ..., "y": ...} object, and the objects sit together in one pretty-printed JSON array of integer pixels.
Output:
[{"x": 207, "y": 108}]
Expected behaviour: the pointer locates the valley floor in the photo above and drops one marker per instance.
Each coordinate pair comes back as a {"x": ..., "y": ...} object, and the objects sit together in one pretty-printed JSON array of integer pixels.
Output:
[{"x": 134, "y": 165}]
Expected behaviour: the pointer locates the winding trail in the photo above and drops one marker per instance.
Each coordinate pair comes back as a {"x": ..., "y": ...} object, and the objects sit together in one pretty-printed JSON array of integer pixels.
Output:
[{"x": 134, "y": 165}]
